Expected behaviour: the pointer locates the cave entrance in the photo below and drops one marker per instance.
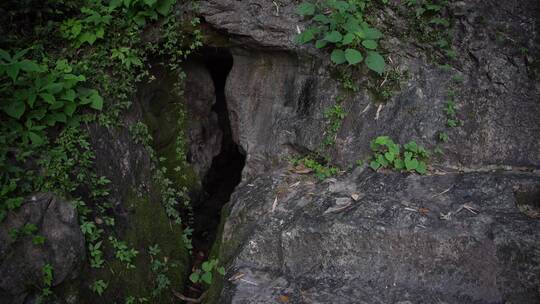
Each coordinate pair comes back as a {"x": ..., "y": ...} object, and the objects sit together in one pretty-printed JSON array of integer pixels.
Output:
[{"x": 226, "y": 169}]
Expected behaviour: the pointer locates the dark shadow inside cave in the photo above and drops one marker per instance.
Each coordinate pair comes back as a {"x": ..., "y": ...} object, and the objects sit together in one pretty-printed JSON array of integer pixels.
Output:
[{"x": 226, "y": 169}]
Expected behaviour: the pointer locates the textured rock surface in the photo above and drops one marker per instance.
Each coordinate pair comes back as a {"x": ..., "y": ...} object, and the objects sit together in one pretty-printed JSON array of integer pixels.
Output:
[
  {"x": 382, "y": 249},
  {"x": 278, "y": 96},
  {"x": 21, "y": 262},
  {"x": 390, "y": 245}
]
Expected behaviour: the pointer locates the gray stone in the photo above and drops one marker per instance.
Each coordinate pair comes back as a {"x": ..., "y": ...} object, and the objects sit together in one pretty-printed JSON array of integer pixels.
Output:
[
  {"x": 21, "y": 262},
  {"x": 462, "y": 234},
  {"x": 384, "y": 248}
]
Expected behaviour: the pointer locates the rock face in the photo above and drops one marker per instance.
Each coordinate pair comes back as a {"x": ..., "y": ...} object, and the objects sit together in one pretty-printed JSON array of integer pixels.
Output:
[
  {"x": 21, "y": 262},
  {"x": 454, "y": 238},
  {"x": 457, "y": 235}
]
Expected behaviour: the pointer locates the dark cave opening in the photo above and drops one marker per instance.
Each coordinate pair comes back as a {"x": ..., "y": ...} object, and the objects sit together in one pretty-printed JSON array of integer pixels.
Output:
[{"x": 226, "y": 169}]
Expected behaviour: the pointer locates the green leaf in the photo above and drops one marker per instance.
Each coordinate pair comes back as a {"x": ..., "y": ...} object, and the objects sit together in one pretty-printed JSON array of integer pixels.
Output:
[
  {"x": 399, "y": 164},
  {"x": 347, "y": 39},
  {"x": 353, "y": 56},
  {"x": 352, "y": 26},
  {"x": 338, "y": 56},
  {"x": 14, "y": 203},
  {"x": 372, "y": 33},
  {"x": 374, "y": 165},
  {"x": 370, "y": 44},
  {"x": 194, "y": 277},
  {"x": 13, "y": 70},
  {"x": 5, "y": 56},
  {"x": 87, "y": 37},
  {"x": 375, "y": 62},
  {"x": 341, "y": 6},
  {"x": 305, "y": 36},
  {"x": 421, "y": 168},
  {"x": 206, "y": 266},
  {"x": 440, "y": 21},
  {"x": 53, "y": 118},
  {"x": 164, "y": 6},
  {"x": 15, "y": 109},
  {"x": 38, "y": 240},
  {"x": 389, "y": 156},
  {"x": 321, "y": 18},
  {"x": 54, "y": 88},
  {"x": 30, "y": 66},
  {"x": 69, "y": 95},
  {"x": 48, "y": 98},
  {"x": 31, "y": 99},
  {"x": 381, "y": 160},
  {"x": 221, "y": 270},
  {"x": 70, "y": 108},
  {"x": 411, "y": 146},
  {"x": 56, "y": 105},
  {"x": 411, "y": 164},
  {"x": 207, "y": 277},
  {"x": 96, "y": 101},
  {"x": 305, "y": 9},
  {"x": 333, "y": 36},
  {"x": 36, "y": 139},
  {"x": 321, "y": 43}
]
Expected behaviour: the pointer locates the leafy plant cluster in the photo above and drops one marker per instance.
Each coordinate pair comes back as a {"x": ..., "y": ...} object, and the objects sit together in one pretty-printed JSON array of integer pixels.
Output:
[
  {"x": 123, "y": 252},
  {"x": 99, "y": 286},
  {"x": 387, "y": 154},
  {"x": 321, "y": 170},
  {"x": 430, "y": 26},
  {"x": 81, "y": 54},
  {"x": 334, "y": 116},
  {"x": 47, "y": 272},
  {"x": 341, "y": 26},
  {"x": 205, "y": 273},
  {"x": 159, "y": 267}
]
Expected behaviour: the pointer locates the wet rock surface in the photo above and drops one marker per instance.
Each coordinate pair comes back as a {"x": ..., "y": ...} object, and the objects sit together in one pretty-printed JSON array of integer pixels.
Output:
[{"x": 22, "y": 262}]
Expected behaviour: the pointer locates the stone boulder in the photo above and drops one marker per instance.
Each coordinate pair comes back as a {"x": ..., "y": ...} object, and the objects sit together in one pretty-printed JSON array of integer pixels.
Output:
[{"x": 22, "y": 262}]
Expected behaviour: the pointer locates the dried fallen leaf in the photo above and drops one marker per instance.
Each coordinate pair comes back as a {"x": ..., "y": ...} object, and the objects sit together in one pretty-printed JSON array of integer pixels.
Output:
[
  {"x": 237, "y": 276},
  {"x": 274, "y": 204},
  {"x": 301, "y": 169},
  {"x": 423, "y": 210},
  {"x": 342, "y": 203},
  {"x": 283, "y": 299},
  {"x": 356, "y": 197}
]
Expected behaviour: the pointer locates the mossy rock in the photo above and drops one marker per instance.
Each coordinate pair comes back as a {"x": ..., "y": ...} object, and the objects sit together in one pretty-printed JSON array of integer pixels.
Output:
[{"x": 148, "y": 226}]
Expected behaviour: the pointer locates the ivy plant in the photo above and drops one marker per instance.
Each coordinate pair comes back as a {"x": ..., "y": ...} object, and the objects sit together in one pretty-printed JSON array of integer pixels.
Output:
[
  {"x": 388, "y": 154},
  {"x": 340, "y": 25}
]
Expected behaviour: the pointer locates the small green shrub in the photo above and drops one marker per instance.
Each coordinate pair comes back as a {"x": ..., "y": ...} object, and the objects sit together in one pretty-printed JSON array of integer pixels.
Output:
[
  {"x": 89, "y": 28},
  {"x": 142, "y": 11},
  {"x": 123, "y": 252},
  {"x": 204, "y": 275},
  {"x": 99, "y": 286},
  {"x": 341, "y": 26},
  {"x": 334, "y": 116},
  {"x": 388, "y": 154},
  {"x": 47, "y": 272}
]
